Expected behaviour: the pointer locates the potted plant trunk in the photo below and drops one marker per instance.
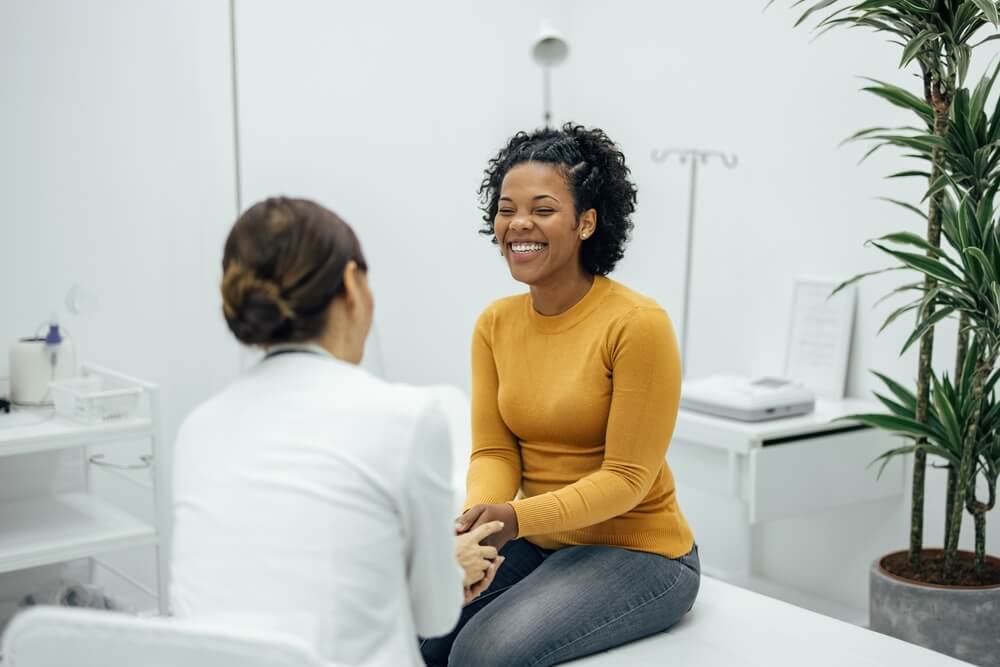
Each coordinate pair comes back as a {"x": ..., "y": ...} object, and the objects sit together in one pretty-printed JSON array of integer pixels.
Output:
[{"x": 942, "y": 597}]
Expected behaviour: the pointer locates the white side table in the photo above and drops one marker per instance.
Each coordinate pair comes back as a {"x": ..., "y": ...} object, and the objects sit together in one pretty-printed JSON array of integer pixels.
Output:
[{"x": 734, "y": 476}]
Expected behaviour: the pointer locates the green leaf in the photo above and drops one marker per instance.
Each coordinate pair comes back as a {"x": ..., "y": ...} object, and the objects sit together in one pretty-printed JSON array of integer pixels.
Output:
[
  {"x": 913, "y": 47},
  {"x": 862, "y": 276},
  {"x": 894, "y": 424},
  {"x": 867, "y": 132},
  {"x": 896, "y": 313},
  {"x": 989, "y": 9},
  {"x": 908, "y": 398},
  {"x": 887, "y": 458},
  {"x": 985, "y": 85},
  {"x": 983, "y": 41},
  {"x": 909, "y": 287},
  {"x": 895, "y": 408},
  {"x": 906, "y": 205},
  {"x": 925, "y": 143},
  {"x": 926, "y": 325},
  {"x": 874, "y": 4},
  {"x": 984, "y": 261},
  {"x": 926, "y": 265},
  {"x": 963, "y": 55},
  {"x": 942, "y": 182},
  {"x": 937, "y": 450},
  {"x": 949, "y": 419},
  {"x": 906, "y": 174},
  {"x": 812, "y": 10},
  {"x": 870, "y": 152},
  {"x": 909, "y": 238},
  {"x": 901, "y": 98}
]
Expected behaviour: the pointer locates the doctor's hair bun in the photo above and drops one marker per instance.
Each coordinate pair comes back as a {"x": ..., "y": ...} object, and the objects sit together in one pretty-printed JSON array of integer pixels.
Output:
[
  {"x": 283, "y": 265},
  {"x": 254, "y": 308}
]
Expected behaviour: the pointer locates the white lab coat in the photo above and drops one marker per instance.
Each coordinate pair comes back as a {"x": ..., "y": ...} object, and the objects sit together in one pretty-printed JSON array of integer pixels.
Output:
[{"x": 314, "y": 499}]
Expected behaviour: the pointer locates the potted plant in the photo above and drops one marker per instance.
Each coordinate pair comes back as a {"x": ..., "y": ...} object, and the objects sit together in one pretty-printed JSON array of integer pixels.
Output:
[{"x": 945, "y": 599}]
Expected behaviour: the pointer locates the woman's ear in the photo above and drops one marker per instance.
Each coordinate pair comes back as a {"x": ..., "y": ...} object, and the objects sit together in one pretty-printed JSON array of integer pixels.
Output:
[
  {"x": 588, "y": 223},
  {"x": 357, "y": 295},
  {"x": 354, "y": 285}
]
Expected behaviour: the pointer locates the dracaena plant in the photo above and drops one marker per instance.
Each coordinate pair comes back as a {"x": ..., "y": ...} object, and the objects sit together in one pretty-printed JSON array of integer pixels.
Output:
[
  {"x": 943, "y": 435},
  {"x": 968, "y": 285},
  {"x": 956, "y": 147}
]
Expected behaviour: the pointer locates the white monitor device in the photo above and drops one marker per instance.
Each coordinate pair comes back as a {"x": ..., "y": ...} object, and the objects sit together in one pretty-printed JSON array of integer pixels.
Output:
[{"x": 747, "y": 399}]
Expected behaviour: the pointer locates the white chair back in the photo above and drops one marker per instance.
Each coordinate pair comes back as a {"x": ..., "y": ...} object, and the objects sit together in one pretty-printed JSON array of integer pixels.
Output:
[{"x": 64, "y": 637}]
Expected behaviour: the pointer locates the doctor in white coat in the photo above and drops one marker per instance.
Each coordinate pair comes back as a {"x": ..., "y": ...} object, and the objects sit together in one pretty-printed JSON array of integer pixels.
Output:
[{"x": 310, "y": 497}]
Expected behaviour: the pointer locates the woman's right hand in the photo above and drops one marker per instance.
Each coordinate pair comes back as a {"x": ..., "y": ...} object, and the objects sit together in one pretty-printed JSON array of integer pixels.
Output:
[{"x": 475, "y": 558}]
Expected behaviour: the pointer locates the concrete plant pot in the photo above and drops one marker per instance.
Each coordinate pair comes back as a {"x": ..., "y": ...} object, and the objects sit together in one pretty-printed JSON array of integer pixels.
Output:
[{"x": 963, "y": 622}]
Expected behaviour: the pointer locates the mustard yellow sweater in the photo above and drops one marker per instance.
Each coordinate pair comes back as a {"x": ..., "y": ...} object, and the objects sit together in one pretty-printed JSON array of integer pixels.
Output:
[{"x": 575, "y": 411}]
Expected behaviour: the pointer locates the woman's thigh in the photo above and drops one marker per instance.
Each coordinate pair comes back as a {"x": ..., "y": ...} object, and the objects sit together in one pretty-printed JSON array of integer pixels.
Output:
[
  {"x": 581, "y": 600},
  {"x": 521, "y": 559}
]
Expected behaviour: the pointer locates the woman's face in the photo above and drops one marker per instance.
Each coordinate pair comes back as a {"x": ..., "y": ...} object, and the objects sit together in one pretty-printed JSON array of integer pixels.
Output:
[
  {"x": 365, "y": 310},
  {"x": 350, "y": 316},
  {"x": 536, "y": 224}
]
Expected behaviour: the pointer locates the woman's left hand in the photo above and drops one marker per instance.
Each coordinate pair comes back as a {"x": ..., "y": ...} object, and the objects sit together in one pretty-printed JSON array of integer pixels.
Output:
[{"x": 484, "y": 513}]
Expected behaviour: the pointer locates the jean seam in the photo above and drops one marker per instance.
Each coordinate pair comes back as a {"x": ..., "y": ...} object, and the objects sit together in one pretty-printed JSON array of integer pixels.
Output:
[
  {"x": 492, "y": 593},
  {"x": 610, "y": 621}
]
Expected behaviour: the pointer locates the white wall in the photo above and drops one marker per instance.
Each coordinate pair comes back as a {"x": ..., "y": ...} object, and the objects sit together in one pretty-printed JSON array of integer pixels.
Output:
[
  {"x": 117, "y": 172},
  {"x": 387, "y": 112}
]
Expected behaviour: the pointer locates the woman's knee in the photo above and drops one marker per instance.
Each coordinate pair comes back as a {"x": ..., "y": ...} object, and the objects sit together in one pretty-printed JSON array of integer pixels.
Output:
[{"x": 489, "y": 647}]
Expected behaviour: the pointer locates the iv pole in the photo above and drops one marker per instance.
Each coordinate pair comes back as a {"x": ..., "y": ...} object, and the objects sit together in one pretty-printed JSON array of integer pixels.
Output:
[{"x": 694, "y": 156}]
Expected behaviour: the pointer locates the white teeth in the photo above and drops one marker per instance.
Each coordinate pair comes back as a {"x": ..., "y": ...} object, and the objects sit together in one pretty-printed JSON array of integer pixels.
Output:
[{"x": 526, "y": 247}]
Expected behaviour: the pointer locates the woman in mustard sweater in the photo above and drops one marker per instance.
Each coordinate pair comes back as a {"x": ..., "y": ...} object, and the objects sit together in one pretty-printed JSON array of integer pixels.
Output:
[{"x": 575, "y": 390}]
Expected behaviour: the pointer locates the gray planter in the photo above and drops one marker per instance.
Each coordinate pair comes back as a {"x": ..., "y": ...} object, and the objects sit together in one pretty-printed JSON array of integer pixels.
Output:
[{"x": 961, "y": 622}]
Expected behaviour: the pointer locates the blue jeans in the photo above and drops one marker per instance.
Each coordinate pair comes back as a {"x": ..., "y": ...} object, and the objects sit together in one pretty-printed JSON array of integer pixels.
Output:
[{"x": 547, "y": 607}]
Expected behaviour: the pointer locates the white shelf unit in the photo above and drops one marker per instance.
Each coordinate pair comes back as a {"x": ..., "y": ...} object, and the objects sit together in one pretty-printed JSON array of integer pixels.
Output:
[
  {"x": 42, "y": 531},
  {"x": 50, "y": 529}
]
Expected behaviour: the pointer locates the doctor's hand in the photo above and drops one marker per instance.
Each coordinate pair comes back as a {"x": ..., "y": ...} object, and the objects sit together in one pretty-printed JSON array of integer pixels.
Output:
[
  {"x": 479, "y": 515},
  {"x": 473, "y": 591},
  {"x": 475, "y": 558}
]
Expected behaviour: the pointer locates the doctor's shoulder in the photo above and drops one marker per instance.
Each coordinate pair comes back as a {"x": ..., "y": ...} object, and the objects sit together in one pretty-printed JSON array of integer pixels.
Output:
[{"x": 423, "y": 416}]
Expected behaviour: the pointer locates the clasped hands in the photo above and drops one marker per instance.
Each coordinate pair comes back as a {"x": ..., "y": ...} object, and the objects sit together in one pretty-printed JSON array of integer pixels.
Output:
[{"x": 480, "y": 534}]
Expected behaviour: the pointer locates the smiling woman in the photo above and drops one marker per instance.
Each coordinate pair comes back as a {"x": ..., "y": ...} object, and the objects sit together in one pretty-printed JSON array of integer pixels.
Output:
[
  {"x": 575, "y": 390},
  {"x": 538, "y": 182}
]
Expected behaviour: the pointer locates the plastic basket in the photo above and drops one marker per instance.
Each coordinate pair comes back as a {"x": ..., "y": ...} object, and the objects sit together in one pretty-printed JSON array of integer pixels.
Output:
[{"x": 94, "y": 399}]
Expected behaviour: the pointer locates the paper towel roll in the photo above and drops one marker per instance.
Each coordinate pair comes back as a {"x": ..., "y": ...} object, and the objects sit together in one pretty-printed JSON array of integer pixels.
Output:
[{"x": 33, "y": 364}]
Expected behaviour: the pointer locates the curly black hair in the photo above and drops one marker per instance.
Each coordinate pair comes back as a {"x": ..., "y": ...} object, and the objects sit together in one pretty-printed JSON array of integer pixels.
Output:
[{"x": 596, "y": 174}]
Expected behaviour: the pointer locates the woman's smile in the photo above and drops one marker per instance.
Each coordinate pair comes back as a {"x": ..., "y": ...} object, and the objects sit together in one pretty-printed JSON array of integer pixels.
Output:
[{"x": 522, "y": 252}]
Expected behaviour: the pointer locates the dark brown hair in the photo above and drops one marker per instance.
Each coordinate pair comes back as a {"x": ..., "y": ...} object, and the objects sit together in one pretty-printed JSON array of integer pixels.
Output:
[
  {"x": 596, "y": 174},
  {"x": 282, "y": 267}
]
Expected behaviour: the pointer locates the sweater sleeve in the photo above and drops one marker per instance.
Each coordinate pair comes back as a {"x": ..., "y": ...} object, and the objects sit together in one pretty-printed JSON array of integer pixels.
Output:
[
  {"x": 434, "y": 578},
  {"x": 646, "y": 384},
  {"x": 495, "y": 466}
]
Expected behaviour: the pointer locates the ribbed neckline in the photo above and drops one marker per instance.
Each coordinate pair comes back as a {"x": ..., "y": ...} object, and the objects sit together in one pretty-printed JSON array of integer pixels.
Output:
[{"x": 599, "y": 289}]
